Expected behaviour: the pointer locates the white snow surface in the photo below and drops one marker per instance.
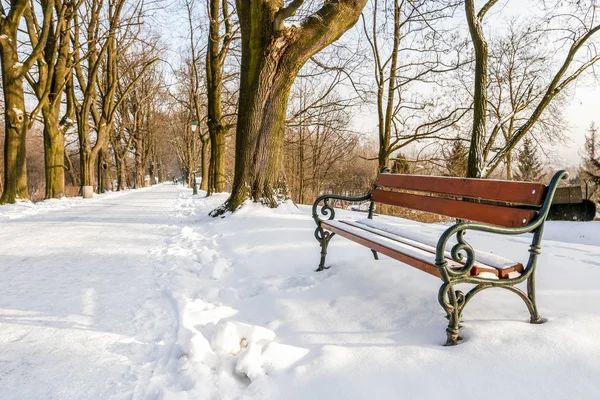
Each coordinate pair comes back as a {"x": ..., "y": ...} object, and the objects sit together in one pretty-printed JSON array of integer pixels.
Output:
[{"x": 141, "y": 295}]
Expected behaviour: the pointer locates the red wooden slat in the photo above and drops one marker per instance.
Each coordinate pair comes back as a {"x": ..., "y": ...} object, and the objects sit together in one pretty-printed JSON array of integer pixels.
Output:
[
  {"x": 486, "y": 213},
  {"x": 507, "y": 191}
]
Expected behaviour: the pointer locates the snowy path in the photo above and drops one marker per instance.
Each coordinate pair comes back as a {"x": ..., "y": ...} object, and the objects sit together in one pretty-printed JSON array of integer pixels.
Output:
[{"x": 84, "y": 275}]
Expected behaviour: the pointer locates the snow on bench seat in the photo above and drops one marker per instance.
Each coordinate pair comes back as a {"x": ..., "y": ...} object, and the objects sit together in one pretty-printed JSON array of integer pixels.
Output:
[{"x": 418, "y": 249}]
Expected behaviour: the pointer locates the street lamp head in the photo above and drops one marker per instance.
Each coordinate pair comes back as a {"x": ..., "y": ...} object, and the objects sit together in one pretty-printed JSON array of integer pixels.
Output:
[{"x": 194, "y": 125}]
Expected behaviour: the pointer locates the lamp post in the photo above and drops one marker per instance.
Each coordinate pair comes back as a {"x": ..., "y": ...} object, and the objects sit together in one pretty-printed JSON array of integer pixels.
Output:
[{"x": 194, "y": 127}]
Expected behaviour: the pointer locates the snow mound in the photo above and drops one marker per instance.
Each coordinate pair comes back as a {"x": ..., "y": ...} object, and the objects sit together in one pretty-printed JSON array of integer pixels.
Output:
[
  {"x": 257, "y": 354},
  {"x": 231, "y": 337}
]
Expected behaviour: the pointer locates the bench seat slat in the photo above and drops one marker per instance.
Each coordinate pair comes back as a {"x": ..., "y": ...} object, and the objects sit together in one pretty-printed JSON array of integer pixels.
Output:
[
  {"x": 419, "y": 256},
  {"x": 427, "y": 241},
  {"x": 528, "y": 193},
  {"x": 485, "y": 213}
]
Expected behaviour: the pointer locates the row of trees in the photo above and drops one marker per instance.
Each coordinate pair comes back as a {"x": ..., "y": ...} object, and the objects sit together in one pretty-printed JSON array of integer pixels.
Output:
[
  {"x": 88, "y": 64},
  {"x": 93, "y": 68}
]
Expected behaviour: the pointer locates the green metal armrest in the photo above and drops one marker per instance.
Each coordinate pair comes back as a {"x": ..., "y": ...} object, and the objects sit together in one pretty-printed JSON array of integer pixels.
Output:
[{"x": 328, "y": 211}]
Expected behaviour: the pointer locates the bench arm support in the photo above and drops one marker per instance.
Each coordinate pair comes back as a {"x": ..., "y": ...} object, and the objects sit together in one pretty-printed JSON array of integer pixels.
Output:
[
  {"x": 327, "y": 210},
  {"x": 463, "y": 249}
]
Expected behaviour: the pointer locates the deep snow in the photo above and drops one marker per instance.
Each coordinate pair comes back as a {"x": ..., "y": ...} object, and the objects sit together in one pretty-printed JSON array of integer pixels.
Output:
[{"x": 141, "y": 295}]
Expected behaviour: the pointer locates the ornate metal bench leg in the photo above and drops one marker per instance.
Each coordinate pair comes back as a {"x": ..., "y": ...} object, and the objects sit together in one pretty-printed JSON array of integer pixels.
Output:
[
  {"x": 452, "y": 302},
  {"x": 323, "y": 237},
  {"x": 375, "y": 255}
]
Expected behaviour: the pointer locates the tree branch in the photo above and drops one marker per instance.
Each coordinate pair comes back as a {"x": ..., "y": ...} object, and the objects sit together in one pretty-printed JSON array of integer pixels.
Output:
[
  {"x": 39, "y": 48},
  {"x": 285, "y": 13}
]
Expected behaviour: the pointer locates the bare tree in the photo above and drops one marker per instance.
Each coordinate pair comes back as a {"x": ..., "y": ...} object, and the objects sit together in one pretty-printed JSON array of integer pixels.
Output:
[
  {"x": 218, "y": 46},
  {"x": 16, "y": 120},
  {"x": 405, "y": 67},
  {"x": 520, "y": 69},
  {"x": 106, "y": 42},
  {"x": 578, "y": 24},
  {"x": 53, "y": 72},
  {"x": 188, "y": 106},
  {"x": 273, "y": 52},
  {"x": 195, "y": 88},
  {"x": 318, "y": 137}
]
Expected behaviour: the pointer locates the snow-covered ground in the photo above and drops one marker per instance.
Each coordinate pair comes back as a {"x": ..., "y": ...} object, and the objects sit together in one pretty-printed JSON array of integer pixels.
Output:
[{"x": 143, "y": 296}]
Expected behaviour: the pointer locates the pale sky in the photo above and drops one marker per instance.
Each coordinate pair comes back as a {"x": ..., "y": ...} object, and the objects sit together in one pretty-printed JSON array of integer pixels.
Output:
[{"x": 584, "y": 108}]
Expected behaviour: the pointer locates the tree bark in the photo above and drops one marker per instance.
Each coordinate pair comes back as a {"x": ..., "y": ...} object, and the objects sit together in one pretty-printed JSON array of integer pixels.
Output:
[
  {"x": 476, "y": 162},
  {"x": 16, "y": 120},
  {"x": 205, "y": 161},
  {"x": 217, "y": 49},
  {"x": 216, "y": 174},
  {"x": 104, "y": 175},
  {"x": 15, "y": 125},
  {"x": 385, "y": 119},
  {"x": 509, "y": 166},
  {"x": 272, "y": 55},
  {"x": 54, "y": 156},
  {"x": 121, "y": 173}
]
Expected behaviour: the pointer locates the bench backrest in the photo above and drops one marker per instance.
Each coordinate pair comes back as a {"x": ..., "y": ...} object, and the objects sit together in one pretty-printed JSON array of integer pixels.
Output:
[{"x": 504, "y": 203}]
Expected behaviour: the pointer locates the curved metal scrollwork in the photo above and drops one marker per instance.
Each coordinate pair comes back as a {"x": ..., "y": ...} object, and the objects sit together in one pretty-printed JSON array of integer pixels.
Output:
[
  {"x": 461, "y": 249},
  {"x": 321, "y": 234},
  {"x": 446, "y": 297},
  {"x": 326, "y": 211}
]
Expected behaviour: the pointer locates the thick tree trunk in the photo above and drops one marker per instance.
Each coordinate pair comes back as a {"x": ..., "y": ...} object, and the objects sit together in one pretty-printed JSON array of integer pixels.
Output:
[
  {"x": 272, "y": 55},
  {"x": 16, "y": 120},
  {"x": 15, "y": 125},
  {"x": 103, "y": 170},
  {"x": 86, "y": 165},
  {"x": 54, "y": 155},
  {"x": 216, "y": 175},
  {"x": 261, "y": 119},
  {"x": 121, "y": 174},
  {"x": 383, "y": 158}
]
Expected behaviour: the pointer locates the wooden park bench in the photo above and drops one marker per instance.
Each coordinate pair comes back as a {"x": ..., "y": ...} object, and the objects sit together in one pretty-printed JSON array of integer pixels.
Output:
[{"x": 502, "y": 207}]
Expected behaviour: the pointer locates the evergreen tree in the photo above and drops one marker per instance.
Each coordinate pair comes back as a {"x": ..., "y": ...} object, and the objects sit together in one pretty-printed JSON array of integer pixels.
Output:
[
  {"x": 456, "y": 159},
  {"x": 529, "y": 167},
  {"x": 400, "y": 165},
  {"x": 590, "y": 170}
]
